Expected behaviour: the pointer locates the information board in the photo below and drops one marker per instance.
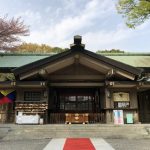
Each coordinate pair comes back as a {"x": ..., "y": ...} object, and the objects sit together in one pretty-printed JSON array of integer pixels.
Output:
[
  {"x": 118, "y": 116},
  {"x": 129, "y": 118},
  {"x": 121, "y": 96}
]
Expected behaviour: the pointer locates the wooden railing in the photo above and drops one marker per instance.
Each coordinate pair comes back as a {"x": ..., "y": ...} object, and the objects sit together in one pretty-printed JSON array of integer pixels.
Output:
[
  {"x": 57, "y": 118},
  {"x": 7, "y": 117},
  {"x": 60, "y": 118},
  {"x": 97, "y": 117},
  {"x": 7, "y": 113}
]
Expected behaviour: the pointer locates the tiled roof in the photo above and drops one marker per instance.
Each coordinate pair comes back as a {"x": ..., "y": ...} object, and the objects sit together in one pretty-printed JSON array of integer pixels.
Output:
[{"x": 18, "y": 60}]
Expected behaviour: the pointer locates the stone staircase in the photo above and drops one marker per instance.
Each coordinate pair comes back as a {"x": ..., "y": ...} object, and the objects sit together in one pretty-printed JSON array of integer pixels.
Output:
[{"x": 20, "y": 132}]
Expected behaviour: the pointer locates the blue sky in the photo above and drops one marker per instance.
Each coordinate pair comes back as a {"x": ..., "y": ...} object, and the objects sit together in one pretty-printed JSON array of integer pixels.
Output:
[{"x": 55, "y": 22}]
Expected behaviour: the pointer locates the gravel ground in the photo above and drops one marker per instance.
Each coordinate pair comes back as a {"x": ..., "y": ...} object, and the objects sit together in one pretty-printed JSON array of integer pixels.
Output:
[
  {"x": 117, "y": 144},
  {"x": 24, "y": 144},
  {"x": 129, "y": 144}
]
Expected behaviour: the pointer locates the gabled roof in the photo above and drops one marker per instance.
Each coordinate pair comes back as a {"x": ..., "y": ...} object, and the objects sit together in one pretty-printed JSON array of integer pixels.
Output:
[
  {"x": 141, "y": 60},
  {"x": 17, "y": 60},
  {"x": 40, "y": 62},
  {"x": 77, "y": 47},
  {"x": 115, "y": 63},
  {"x": 14, "y": 60}
]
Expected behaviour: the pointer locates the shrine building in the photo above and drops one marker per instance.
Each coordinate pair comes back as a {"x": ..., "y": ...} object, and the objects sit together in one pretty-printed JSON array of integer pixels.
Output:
[{"x": 75, "y": 86}]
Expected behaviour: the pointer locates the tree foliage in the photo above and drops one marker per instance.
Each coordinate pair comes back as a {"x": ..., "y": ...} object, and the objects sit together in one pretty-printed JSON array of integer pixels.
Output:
[
  {"x": 135, "y": 11},
  {"x": 36, "y": 48},
  {"x": 43, "y": 48},
  {"x": 110, "y": 51},
  {"x": 7, "y": 77},
  {"x": 10, "y": 31}
]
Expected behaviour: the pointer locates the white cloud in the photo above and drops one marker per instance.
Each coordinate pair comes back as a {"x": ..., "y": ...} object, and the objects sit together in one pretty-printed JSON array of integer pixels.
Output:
[
  {"x": 145, "y": 25},
  {"x": 58, "y": 33},
  {"x": 106, "y": 39},
  {"x": 31, "y": 18},
  {"x": 48, "y": 9},
  {"x": 120, "y": 38},
  {"x": 86, "y": 23}
]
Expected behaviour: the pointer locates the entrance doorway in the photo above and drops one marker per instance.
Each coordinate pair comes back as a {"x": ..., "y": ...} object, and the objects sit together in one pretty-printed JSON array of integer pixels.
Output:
[
  {"x": 75, "y": 100},
  {"x": 144, "y": 106},
  {"x": 78, "y": 100}
]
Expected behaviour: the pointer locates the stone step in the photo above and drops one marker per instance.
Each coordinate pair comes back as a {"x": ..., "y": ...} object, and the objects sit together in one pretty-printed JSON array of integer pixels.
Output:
[{"x": 18, "y": 132}]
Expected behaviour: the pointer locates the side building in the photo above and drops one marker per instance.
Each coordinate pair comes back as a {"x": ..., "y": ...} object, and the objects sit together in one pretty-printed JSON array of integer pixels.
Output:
[{"x": 74, "y": 84}]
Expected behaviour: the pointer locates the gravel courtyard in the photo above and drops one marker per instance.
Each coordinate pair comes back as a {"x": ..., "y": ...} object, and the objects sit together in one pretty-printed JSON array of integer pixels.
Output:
[{"x": 117, "y": 144}]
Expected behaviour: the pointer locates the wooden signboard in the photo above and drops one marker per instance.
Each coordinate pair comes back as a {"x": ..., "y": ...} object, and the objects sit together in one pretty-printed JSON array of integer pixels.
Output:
[{"x": 121, "y": 96}]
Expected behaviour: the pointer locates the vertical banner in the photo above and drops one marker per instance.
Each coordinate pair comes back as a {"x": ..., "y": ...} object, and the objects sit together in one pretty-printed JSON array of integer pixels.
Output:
[{"x": 118, "y": 116}]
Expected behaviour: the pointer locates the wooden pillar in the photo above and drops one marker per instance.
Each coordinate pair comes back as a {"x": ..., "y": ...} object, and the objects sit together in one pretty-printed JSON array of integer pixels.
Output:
[
  {"x": 108, "y": 105},
  {"x": 109, "y": 119}
]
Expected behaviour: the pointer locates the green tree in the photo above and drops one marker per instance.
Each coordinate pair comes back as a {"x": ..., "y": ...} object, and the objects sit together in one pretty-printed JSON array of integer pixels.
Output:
[
  {"x": 37, "y": 48},
  {"x": 134, "y": 11},
  {"x": 7, "y": 77},
  {"x": 110, "y": 51}
]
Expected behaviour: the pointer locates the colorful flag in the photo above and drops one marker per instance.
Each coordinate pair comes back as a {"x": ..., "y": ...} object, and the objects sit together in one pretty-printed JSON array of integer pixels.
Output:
[{"x": 7, "y": 96}]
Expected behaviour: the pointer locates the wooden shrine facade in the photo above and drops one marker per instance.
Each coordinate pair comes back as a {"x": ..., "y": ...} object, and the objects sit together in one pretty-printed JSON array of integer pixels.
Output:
[{"x": 82, "y": 85}]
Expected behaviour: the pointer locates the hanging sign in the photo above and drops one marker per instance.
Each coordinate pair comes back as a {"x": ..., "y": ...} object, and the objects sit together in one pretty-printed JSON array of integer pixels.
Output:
[{"x": 121, "y": 96}]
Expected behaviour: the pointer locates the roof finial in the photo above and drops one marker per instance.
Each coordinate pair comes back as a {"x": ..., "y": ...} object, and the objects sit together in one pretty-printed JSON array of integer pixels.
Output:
[
  {"x": 77, "y": 45},
  {"x": 77, "y": 39}
]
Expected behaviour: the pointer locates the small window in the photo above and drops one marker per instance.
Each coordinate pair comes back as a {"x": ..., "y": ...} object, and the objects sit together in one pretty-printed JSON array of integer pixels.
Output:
[{"x": 32, "y": 96}]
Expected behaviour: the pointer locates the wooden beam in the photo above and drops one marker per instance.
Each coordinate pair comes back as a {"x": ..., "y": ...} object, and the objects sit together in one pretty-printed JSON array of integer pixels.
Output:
[
  {"x": 31, "y": 84},
  {"x": 120, "y": 84},
  {"x": 110, "y": 73},
  {"x": 49, "y": 68},
  {"x": 59, "y": 65},
  {"x": 43, "y": 73},
  {"x": 143, "y": 85},
  {"x": 76, "y": 77},
  {"x": 94, "y": 65},
  {"x": 79, "y": 84},
  {"x": 102, "y": 67},
  {"x": 124, "y": 86},
  {"x": 125, "y": 74},
  {"x": 7, "y": 84},
  {"x": 28, "y": 74}
]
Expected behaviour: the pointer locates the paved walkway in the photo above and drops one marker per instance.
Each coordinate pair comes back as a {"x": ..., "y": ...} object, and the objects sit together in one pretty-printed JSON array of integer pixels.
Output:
[{"x": 58, "y": 144}]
